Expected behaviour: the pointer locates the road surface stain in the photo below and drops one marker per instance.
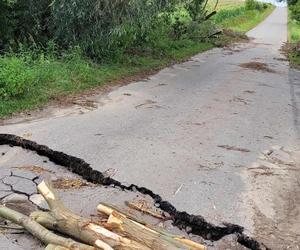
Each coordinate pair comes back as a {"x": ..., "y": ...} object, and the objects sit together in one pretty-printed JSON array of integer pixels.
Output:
[{"x": 257, "y": 66}]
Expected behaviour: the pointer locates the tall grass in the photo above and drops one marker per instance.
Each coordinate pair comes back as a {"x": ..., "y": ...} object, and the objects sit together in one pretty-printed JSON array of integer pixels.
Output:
[
  {"x": 243, "y": 18},
  {"x": 294, "y": 39},
  {"x": 225, "y": 14},
  {"x": 294, "y": 31}
]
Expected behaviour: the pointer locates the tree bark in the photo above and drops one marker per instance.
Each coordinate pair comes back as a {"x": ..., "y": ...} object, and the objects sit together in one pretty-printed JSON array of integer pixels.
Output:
[
  {"x": 146, "y": 234},
  {"x": 63, "y": 220},
  {"x": 39, "y": 231},
  {"x": 56, "y": 247}
]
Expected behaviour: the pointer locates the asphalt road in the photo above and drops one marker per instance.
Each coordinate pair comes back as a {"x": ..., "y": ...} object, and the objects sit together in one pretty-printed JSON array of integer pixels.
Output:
[{"x": 192, "y": 131}]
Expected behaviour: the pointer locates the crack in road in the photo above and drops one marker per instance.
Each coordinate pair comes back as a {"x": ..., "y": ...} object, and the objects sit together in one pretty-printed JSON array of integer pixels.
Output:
[
  {"x": 12, "y": 190},
  {"x": 195, "y": 224}
]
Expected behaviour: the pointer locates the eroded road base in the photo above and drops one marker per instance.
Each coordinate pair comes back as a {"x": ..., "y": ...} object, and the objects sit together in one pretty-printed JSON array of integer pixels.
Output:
[
  {"x": 274, "y": 196},
  {"x": 22, "y": 177}
]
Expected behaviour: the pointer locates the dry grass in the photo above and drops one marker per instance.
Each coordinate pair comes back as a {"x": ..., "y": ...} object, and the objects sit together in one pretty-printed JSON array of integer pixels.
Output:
[
  {"x": 34, "y": 169},
  {"x": 65, "y": 183}
]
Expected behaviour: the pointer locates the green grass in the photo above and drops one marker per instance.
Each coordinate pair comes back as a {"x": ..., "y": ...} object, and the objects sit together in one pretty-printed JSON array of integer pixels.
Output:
[
  {"x": 293, "y": 38},
  {"x": 32, "y": 79},
  {"x": 240, "y": 19},
  {"x": 51, "y": 79},
  {"x": 293, "y": 30}
]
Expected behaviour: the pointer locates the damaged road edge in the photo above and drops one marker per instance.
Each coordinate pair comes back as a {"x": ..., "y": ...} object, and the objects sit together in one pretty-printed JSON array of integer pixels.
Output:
[{"x": 194, "y": 224}]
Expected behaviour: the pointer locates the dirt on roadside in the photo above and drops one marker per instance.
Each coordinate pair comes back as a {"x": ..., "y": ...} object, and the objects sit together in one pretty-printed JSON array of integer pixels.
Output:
[
  {"x": 276, "y": 210},
  {"x": 258, "y": 66}
]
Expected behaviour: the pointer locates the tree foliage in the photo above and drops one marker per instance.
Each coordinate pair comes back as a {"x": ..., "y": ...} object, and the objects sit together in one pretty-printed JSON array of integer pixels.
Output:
[
  {"x": 292, "y": 2},
  {"x": 98, "y": 27},
  {"x": 295, "y": 10}
]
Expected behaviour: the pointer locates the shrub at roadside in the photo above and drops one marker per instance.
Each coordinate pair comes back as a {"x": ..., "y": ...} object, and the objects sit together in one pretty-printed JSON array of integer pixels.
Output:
[
  {"x": 293, "y": 49},
  {"x": 102, "y": 29},
  {"x": 255, "y": 5},
  {"x": 243, "y": 18},
  {"x": 295, "y": 11},
  {"x": 294, "y": 53},
  {"x": 15, "y": 77}
]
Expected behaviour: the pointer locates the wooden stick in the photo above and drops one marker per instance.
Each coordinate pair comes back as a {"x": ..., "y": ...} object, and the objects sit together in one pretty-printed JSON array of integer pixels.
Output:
[
  {"x": 63, "y": 220},
  {"x": 131, "y": 227},
  {"x": 140, "y": 207},
  {"x": 39, "y": 231},
  {"x": 56, "y": 247}
]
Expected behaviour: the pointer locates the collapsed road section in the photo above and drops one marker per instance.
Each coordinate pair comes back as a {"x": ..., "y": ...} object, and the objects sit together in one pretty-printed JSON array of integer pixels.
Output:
[{"x": 192, "y": 224}]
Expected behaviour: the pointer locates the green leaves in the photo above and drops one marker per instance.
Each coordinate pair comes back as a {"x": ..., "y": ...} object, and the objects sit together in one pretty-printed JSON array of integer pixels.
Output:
[
  {"x": 295, "y": 11},
  {"x": 15, "y": 77},
  {"x": 101, "y": 28}
]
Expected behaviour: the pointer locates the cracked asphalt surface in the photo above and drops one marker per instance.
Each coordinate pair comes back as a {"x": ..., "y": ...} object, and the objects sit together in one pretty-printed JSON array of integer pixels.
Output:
[{"x": 190, "y": 133}]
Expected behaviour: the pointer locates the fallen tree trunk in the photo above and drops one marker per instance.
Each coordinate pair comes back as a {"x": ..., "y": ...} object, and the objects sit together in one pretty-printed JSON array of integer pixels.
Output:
[{"x": 39, "y": 231}]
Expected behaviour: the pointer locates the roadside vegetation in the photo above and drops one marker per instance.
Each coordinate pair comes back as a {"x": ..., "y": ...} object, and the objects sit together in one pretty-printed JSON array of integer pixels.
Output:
[
  {"x": 294, "y": 32},
  {"x": 243, "y": 17},
  {"x": 52, "y": 49}
]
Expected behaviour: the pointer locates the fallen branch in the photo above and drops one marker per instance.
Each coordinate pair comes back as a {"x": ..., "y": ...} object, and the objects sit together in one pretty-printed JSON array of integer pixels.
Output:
[
  {"x": 210, "y": 15},
  {"x": 55, "y": 247},
  {"x": 63, "y": 220},
  {"x": 141, "y": 207},
  {"x": 39, "y": 231},
  {"x": 145, "y": 233}
]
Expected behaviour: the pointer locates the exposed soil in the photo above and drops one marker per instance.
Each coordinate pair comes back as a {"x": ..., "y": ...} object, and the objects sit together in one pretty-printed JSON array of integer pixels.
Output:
[
  {"x": 276, "y": 219},
  {"x": 257, "y": 66},
  {"x": 64, "y": 183},
  {"x": 34, "y": 169}
]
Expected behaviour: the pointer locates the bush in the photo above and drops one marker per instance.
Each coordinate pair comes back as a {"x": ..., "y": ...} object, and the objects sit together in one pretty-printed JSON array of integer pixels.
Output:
[
  {"x": 108, "y": 28},
  {"x": 200, "y": 32},
  {"x": 25, "y": 21},
  {"x": 292, "y": 2},
  {"x": 295, "y": 11},
  {"x": 254, "y": 5},
  {"x": 6, "y": 26},
  {"x": 101, "y": 28},
  {"x": 228, "y": 13},
  {"x": 15, "y": 77}
]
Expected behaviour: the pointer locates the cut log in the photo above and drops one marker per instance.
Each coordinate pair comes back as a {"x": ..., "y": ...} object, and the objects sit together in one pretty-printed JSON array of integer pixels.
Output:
[
  {"x": 39, "y": 231},
  {"x": 56, "y": 247},
  {"x": 143, "y": 233},
  {"x": 63, "y": 220}
]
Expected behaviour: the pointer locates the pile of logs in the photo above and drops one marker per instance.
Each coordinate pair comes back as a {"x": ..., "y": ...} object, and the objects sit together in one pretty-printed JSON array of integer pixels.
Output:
[{"x": 119, "y": 231}]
